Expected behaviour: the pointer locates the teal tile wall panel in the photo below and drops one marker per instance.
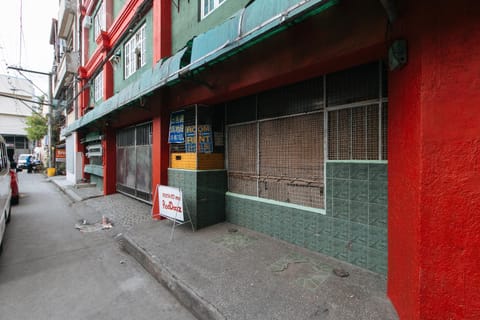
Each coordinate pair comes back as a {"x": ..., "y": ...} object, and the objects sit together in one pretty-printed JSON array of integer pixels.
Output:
[
  {"x": 204, "y": 194},
  {"x": 353, "y": 228}
]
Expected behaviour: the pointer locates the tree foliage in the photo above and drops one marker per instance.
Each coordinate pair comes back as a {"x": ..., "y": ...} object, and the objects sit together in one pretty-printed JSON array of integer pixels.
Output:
[{"x": 37, "y": 127}]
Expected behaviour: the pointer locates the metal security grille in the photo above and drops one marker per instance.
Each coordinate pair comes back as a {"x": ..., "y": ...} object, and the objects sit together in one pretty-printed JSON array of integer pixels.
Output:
[
  {"x": 291, "y": 160},
  {"x": 242, "y": 159},
  {"x": 134, "y": 161},
  {"x": 357, "y": 113},
  {"x": 278, "y": 141},
  {"x": 279, "y": 159},
  {"x": 353, "y": 133}
]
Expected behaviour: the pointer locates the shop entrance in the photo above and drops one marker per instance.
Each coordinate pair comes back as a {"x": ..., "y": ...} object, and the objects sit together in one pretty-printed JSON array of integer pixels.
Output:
[{"x": 134, "y": 161}]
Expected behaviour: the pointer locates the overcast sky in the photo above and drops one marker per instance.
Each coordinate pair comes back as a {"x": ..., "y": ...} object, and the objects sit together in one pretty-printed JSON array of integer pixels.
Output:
[{"x": 34, "y": 45}]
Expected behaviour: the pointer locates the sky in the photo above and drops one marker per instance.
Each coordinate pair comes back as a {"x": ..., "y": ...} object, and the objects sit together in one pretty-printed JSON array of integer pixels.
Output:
[{"x": 32, "y": 50}]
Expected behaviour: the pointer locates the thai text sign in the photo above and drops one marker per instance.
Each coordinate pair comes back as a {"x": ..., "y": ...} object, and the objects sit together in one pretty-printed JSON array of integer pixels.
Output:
[
  {"x": 170, "y": 202},
  {"x": 176, "y": 128}
]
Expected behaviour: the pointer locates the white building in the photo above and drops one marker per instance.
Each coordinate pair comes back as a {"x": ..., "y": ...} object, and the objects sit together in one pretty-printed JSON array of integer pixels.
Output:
[{"x": 16, "y": 95}]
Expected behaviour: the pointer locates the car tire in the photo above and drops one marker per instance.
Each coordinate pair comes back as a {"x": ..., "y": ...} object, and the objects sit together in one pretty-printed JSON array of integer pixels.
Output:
[
  {"x": 7, "y": 218},
  {"x": 14, "y": 201}
]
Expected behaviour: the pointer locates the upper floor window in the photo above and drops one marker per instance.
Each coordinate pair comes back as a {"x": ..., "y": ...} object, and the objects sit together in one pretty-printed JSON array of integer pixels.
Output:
[
  {"x": 98, "y": 87},
  {"x": 207, "y": 6},
  {"x": 100, "y": 20},
  {"x": 135, "y": 51}
]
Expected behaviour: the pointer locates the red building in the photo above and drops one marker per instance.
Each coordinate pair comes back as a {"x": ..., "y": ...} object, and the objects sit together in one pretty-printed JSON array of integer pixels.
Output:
[{"x": 356, "y": 117}]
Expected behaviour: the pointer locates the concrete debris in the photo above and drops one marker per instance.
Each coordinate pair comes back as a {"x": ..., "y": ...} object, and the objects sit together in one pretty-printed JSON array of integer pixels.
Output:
[
  {"x": 341, "y": 273},
  {"x": 84, "y": 226}
]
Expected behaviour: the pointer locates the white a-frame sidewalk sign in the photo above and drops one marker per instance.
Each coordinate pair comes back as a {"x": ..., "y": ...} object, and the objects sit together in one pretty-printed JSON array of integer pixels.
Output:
[{"x": 171, "y": 205}]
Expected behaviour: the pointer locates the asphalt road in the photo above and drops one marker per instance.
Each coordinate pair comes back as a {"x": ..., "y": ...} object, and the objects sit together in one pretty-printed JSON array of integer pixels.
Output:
[{"x": 50, "y": 270}]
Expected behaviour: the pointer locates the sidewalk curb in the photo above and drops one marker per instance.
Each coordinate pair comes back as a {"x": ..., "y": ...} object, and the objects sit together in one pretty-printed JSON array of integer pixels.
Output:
[
  {"x": 72, "y": 195},
  {"x": 197, "y": 305}
]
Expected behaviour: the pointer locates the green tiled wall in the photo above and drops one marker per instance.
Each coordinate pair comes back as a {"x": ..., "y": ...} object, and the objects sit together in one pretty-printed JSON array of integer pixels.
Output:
[
  {"x": 354, "y": 228},
  {"x": 204, "y": 194}
]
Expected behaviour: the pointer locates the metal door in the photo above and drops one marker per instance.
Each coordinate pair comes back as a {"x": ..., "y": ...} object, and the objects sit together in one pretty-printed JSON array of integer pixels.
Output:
[{"x": 134, "y": 161}]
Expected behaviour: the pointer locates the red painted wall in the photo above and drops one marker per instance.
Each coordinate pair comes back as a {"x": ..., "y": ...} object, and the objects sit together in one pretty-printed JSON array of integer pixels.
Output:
[{"x": 434, "y": 164}]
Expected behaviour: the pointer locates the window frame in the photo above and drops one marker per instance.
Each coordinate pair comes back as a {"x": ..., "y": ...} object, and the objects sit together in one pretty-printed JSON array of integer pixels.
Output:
[
  {"x": 134, "y": 60},
  {"x": 100, "y": 20},
  {"x": 214, "y": 3},
  {"x": 98, "y": 87}
]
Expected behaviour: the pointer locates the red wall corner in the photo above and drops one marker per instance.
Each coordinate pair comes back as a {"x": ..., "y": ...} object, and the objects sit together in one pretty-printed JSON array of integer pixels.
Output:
[
  {"x": 109, "y": 162},
  {"x": 162, "y": 29},
  {"x": 434, "y": 164},
  {"x": 160, "y": 154}
]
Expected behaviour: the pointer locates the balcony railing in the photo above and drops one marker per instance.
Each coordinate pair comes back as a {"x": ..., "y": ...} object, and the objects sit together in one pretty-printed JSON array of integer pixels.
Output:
[
  {"x": 66, "y": 70},
  {"x": 66, "y": 17}
]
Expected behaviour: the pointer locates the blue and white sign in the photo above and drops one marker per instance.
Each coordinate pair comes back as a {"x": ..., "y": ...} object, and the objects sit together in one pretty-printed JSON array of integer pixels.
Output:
[{"x": 176, "y": 128}]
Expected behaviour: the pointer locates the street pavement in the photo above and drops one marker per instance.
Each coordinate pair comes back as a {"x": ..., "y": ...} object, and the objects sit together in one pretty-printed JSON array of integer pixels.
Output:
[
  {"x": 228, "y": 272},
  {"x": 50, "y": 270}
]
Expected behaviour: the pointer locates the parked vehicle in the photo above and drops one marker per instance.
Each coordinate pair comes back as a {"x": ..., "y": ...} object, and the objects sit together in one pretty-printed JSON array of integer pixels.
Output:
[
  {"x": 22, "y": 160},
  {"x": 5, "y": 190}
]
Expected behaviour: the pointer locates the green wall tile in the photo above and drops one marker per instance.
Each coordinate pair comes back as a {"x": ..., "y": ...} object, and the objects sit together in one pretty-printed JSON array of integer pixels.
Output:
[
  {"x": 359, "y": 212},
  {"x": 358, "y": 233},
  {"x": 341, "y": 170},
  {"x": 359, "y": 171},
  {"x": 377, "y": 172},
  {"x": 341, "y": 188},
  {"x": 339, "y": 249},
  {"x": 325, "y": 225},
  {"x": 378, "y": 192},
  {"x": 341, "y": 209},
  {"x": 377, "y": 261},
  {"x": 359, "y": 190},
  {"x": 340, "y": 229},
  {"x": 358, "y": 255},
  {"x": 377, "y": 238},
  {"x": 377, "y": 215}
]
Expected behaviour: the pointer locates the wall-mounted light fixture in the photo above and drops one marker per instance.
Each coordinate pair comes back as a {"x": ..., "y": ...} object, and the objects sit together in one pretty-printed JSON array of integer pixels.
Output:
[
  {"x": 397, "y": 54},
  {"x": 115, "y": 59}
]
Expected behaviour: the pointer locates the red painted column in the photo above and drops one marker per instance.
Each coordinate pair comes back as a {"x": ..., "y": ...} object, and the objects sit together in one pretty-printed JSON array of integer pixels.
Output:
[
  {"x": 162, "y": 29},
  {"x": 434, "y": 164},
  {"x": 107, "y": 80},
  {"x": 109, "y": 161},
  {"x": 160, "y": 153}
]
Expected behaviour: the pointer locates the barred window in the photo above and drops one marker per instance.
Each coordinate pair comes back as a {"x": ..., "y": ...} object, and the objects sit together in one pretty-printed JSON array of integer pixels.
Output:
[{"x": 135, "y": 52}]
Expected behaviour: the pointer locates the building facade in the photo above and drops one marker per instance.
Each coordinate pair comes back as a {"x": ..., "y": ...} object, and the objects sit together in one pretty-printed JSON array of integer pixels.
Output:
[
  {"x": 346, "y": 127},
  {"x": 16, "y": 97}
]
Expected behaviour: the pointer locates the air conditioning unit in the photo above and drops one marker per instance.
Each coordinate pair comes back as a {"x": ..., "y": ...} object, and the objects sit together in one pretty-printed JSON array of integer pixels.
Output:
[{"x": 87, "y": 22}]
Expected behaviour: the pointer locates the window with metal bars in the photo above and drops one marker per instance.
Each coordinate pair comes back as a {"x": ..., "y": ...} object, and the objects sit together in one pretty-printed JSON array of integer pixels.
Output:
[{"x": 276, "y": 139}]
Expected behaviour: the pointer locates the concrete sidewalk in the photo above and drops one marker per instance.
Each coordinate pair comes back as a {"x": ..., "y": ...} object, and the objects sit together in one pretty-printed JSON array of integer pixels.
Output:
[{"x": 229, "y": 272}]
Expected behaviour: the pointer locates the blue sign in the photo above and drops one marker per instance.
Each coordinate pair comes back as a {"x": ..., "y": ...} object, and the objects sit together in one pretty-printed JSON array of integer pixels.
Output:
[{"x": 176, "y": 128}]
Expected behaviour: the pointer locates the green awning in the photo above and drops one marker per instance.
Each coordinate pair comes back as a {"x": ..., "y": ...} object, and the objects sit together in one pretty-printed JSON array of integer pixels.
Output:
[
  {"x": 258, "y": 21},
  {"x": 161, "y": 74}
]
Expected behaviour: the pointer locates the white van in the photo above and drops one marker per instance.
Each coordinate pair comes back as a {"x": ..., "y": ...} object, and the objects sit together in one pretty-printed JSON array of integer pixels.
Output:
[{"x": 5, "y": 189}]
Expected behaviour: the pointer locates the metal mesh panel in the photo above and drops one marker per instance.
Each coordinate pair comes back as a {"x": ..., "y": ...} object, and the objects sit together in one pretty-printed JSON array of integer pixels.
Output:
[
  {"x": 302, "y": 97},
  {"x": 144, "y": 134},
  {"x": 356, "y": 84},
  {"x": 291, "y": 160},
  {"x": 372, "y": 132},
  {"x": 126, "y": 137},
  {"x": 359, "y": 133},
  {"x": 242, "y": 157},
  {"x": 353, "y": 133}
]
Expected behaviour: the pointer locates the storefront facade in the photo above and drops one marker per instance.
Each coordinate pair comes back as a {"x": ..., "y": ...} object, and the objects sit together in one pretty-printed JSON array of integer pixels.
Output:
[{"x": 325, "y": 132}]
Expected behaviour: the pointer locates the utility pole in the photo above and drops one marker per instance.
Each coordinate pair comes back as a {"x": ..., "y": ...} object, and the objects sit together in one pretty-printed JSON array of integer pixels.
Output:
[{"x": 49, "y": 115}]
